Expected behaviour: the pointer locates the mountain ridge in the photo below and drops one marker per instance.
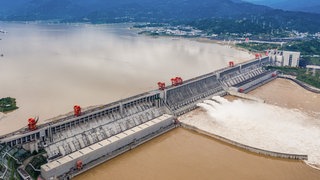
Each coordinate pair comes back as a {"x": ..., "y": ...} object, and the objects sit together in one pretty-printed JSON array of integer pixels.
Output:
[
  {"x": 311, "y": 6},
  {"x": 177, "y": 11}
]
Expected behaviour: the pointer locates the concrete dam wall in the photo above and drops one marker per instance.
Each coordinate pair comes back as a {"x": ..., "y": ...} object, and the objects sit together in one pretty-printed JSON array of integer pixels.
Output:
[
  {"x": 183, "y": 98},
  {"x": 104, "y": 132},
  {"x": 66, "y": 165},
  {"x": 248, "y": 148}
]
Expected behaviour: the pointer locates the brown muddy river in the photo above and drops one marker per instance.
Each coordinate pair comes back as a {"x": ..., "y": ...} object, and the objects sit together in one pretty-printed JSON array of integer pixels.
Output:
[
  {"x": 50, "y": 68},
  {"x": 183, "y": 154},
  {"x": 288, "y": 94}
]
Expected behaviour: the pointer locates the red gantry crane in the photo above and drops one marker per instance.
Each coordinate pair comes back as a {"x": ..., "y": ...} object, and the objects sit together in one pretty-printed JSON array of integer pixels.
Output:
[
  {"x": 79, "y": 165},
  {"x": 77, "y": 110},
  {"x": 258, "y": 56},
  {"x": 161, "y": 85},
  {"x": 176, "y": 81},
  {"x": 32, "y": 123}
]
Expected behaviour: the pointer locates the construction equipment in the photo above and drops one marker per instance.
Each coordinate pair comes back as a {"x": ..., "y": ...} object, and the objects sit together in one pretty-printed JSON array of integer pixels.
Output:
[
  {"x": 77, "y": 110},
  {"x": 79, "y": 164},
  {"x": 32, "y": 123},
  {"x": 258, "y": 56},
  {"x": 176, "y": 81},
  {"x": 161, "y": 85}
]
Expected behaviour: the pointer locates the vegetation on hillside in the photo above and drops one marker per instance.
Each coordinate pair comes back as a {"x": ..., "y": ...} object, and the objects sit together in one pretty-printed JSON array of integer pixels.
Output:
[
  {"x": 2, "y": 169},
  {"x": 306, "y": 47},
  {"x": 256, "y": 27},
  {"x": 212, "y": 16},
  {"x": 301, "y": 74},
  {"x": 36, "y": 162},
  {"x": 258, "y": 47},
  {"x": 310, "y": 49}
]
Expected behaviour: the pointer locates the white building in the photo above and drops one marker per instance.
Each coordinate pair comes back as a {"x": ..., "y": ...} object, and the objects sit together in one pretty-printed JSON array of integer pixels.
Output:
[{"x": 284, "y": 58}]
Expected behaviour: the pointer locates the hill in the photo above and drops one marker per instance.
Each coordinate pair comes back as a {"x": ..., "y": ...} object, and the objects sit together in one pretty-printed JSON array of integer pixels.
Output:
[
  {"x": 136, "y": 10},
  {"x": 312, "y": 6},
  {"x": 250, "y": 16}
]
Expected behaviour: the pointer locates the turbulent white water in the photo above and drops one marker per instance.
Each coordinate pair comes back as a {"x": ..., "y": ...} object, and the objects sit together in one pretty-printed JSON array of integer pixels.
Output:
[{"x": 261, "y": 125}]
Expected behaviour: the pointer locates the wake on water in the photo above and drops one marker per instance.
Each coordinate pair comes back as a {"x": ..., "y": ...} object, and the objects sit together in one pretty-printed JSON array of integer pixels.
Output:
[{"x": 261, "y": 125}]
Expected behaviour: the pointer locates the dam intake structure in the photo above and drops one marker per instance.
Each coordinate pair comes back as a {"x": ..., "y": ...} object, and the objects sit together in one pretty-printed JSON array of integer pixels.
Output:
[{"x": 76, "y": 143}]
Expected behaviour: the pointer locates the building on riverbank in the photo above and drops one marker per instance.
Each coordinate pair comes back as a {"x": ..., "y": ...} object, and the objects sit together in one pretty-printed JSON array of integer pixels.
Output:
[{"x": 284, "y": 58}]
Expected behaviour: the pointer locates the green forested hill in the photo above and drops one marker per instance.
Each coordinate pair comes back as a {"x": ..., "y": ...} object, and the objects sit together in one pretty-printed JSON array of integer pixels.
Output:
[{"x": 216, "y": 16}]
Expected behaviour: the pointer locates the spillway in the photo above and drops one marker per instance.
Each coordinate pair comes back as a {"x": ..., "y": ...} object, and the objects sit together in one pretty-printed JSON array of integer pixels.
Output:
[{"x": 262, "y": 126}]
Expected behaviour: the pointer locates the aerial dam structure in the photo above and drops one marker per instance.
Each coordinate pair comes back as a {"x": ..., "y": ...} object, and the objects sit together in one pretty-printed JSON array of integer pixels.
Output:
[{"x": 76, "y": 143}]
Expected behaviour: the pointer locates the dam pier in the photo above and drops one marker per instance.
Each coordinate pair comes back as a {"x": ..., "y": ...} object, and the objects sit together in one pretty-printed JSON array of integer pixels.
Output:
[{"x": 78, "y": 142}]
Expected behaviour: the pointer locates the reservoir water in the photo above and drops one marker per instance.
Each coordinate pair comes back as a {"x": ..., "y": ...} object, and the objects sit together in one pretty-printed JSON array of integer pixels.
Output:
[{"x": 50, "y": 68}]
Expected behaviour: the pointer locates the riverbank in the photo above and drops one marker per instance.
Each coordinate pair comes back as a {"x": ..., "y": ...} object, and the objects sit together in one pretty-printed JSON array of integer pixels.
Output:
[
  {"x": 297, "y": 74},
  {"x": 302, "y": 84},
  {"x": 288, "y": 94}
]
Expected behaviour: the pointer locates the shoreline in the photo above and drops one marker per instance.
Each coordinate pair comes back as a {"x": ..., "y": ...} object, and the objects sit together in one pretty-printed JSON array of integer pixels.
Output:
[{"x": 224, "y": 43}]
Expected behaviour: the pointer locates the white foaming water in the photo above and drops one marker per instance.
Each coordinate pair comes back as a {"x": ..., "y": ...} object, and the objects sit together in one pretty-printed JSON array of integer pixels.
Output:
[{"x": 261, "y": 125}]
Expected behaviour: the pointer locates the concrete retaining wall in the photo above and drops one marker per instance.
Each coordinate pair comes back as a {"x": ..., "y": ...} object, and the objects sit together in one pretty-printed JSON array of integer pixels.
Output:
[
  {"x": 302, "y": 84},
  {"x": 246, "y": 147},
  {"x": 255, "y": 80},
  {"x": 261, "y": 83}
]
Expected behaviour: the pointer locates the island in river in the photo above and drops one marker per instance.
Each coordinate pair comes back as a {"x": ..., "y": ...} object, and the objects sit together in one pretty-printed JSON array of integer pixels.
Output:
[{"x": 8, "y": 104}]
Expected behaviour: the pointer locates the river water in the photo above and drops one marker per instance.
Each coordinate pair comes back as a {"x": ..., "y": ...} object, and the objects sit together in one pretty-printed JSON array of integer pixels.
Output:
[
  {"x": 50, "y": 68},
  {"x": 182, "y": 154}
]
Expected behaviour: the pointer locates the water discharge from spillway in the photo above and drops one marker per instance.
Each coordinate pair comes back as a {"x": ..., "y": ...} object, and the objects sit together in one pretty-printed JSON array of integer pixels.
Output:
[{"x": 262, "y": 125}]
